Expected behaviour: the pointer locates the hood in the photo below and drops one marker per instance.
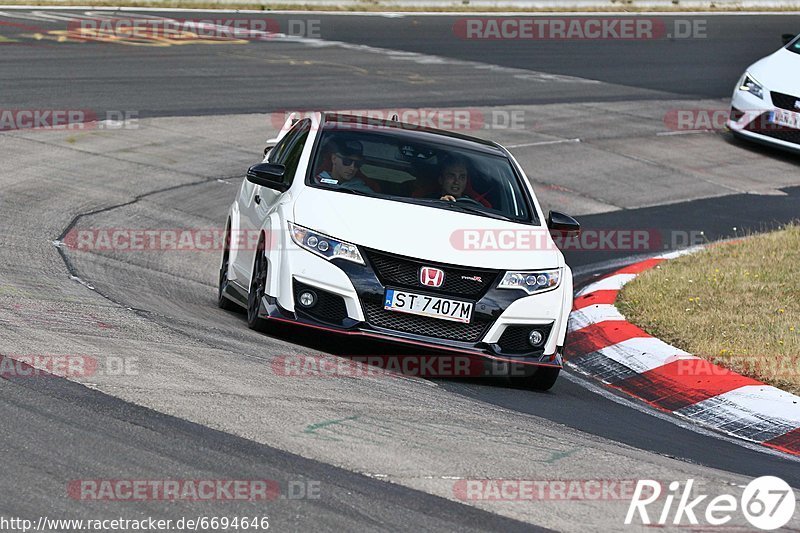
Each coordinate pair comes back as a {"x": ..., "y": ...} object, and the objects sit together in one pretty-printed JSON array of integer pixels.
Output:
[
  {"x": 426, "y": 233},
  {"x": 778, "y": 72}
]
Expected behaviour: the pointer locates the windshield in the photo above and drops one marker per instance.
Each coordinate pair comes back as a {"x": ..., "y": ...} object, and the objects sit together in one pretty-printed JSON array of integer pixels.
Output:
[
  {"x": 415, "y": 168},
  {"x": 794, "y": 46}
]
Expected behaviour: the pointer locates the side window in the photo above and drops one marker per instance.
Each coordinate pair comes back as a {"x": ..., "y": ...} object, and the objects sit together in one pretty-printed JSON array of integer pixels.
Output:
[
  {"x": 293, "y": 154},
  {"x": 278, "y": 150},
  {"x": 278, "y": 153},
  {"x": 290, "y": 151}
]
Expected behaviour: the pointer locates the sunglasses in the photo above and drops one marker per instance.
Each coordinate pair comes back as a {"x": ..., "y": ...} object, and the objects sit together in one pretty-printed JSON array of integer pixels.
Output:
[{"x": 346, "y": 161}]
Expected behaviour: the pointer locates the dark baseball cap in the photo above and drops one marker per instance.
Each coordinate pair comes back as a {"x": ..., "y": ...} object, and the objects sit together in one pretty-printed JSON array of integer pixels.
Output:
[{"x": 349, "y": 148}]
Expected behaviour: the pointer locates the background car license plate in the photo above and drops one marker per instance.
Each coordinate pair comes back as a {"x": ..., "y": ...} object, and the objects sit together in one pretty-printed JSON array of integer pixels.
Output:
[
  {"x": 419, "y": 304},
  {"x": 786, "y": 118}
]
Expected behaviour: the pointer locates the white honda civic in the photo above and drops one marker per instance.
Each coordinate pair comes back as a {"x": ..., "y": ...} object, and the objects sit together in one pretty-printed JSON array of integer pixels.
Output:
[
  {"x": 766, "y": 101},
  {"x": 408, "y": 234}
]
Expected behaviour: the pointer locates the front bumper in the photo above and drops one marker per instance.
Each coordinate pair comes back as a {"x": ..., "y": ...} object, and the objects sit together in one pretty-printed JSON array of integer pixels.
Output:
[
  {"x": 750, "y": 119},
  {"x": 350, "y": 301}
]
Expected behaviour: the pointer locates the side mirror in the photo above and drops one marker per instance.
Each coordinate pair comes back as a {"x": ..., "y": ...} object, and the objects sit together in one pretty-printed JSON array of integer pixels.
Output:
[
  {"x": 560, "y": 222},
  {"x": 268, "y": 175},
  {"x": 787, "y": 38}
]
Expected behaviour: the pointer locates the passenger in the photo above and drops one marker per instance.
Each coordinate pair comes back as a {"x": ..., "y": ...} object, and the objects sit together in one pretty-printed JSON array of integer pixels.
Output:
[{"x": 346, "y": 158}]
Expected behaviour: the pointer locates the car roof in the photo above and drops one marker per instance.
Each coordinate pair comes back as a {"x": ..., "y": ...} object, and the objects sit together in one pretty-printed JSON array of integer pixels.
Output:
[{"x": 458, "y": 140}]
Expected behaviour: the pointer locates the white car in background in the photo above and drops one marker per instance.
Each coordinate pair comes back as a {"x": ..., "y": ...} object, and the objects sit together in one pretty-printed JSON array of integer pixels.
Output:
[
  {"x": 356, "y": 236},
  {"x": 766, "y": 102}
]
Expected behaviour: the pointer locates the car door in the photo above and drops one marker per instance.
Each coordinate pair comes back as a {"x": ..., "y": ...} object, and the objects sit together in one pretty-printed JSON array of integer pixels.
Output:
[{"x": 257, "y": 202}]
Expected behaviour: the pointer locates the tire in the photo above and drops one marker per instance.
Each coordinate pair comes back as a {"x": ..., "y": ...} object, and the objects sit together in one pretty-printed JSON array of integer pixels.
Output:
[
  {"x": 542, "y": 380},
  {"x": 256, "y": 292},
  {"x": 222, "y": 301}
]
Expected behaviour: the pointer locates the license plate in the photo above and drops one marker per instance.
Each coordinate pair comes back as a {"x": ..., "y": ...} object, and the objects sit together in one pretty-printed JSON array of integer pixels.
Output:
[
  {"x": 432, "y": 306},
  {"x": 785, "y": 118}
]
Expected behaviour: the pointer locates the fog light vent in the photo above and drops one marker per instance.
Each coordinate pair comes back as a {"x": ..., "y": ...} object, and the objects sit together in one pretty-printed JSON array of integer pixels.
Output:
[
  {"x": 536, "y": 338},
  {"x": 307, "y": 299}
]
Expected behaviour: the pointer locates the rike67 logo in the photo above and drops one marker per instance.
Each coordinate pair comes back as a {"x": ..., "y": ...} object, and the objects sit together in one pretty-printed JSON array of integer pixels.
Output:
[{"x": 767, "y": 503}]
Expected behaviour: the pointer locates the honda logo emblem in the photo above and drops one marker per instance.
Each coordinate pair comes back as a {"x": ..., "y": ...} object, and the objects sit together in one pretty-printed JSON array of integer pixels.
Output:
[
  {"x": 431, "y": 277},
  {"x": 797, "y": 104}
]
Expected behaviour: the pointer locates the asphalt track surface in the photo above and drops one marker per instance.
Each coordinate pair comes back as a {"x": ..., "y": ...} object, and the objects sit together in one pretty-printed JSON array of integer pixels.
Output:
[
  {"x": 193, "y": 80},
  {"x": 64, "y": 420},
  {"x": 57, "y": 430}
]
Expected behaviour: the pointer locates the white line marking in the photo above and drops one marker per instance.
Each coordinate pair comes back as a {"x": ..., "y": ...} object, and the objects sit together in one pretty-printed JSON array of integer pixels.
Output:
[
  {"x": 612, "y": 264},
  {"x": 642, "y": 354},
  {"x": 685, "y": 251},
  {"x": 543, "y": 143},
  {"x": 763, "y": 401},
  {"x": 682, "y": 132},
  {"x": 592, "y": 315},
  {"x": 614, "y": 282}
]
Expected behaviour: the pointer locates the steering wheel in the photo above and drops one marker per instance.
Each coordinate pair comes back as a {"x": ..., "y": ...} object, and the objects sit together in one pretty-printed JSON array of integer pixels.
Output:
[{"x": 467, "y": 199}]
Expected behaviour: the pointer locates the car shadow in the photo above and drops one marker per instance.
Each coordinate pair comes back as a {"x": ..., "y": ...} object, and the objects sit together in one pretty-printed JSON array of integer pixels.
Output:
[
  {"x": 421, "y": 362},
  {"x": 784, "y": 155}
]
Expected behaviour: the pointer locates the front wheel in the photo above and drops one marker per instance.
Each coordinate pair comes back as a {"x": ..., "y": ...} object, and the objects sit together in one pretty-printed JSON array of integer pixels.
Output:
[
  {"x": 222, "y": 301},
  {"x": 542, "y": 380},
  {"x": 258, "y": 286}
]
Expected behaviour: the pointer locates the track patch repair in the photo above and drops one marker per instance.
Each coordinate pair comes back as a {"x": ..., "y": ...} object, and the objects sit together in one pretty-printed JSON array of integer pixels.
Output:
[{"x": 603, "y": 345}]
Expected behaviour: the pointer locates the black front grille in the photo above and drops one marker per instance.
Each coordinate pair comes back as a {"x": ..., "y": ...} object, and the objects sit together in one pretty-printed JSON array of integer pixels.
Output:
[
  {"x": 329, "y": 308},
  {"x": 763, "y": 126},
  {"x": 403, "y": 272},
  {"x": 421, "y": 325},
  {"x": 785, "y": 101},
  {"x": 515, "y": 339}
]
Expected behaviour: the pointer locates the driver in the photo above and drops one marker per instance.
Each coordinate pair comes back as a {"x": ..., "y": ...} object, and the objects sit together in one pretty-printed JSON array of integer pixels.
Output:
[{"x": 453, "y": 179}]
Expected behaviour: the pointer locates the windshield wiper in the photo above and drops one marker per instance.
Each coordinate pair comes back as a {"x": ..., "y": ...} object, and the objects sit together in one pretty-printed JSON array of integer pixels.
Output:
[
  {"x": 478, "y": 211},
  {"x": 459, "y": 207},
  {"x": 434, "y": 201}
]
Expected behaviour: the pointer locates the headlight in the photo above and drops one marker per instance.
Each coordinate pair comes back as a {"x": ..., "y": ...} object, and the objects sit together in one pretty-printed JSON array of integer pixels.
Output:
[
  {"x": 324, "y": 246},
  {"x": 750, "y": 85},
  {"x": 531, "y": 282}
]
